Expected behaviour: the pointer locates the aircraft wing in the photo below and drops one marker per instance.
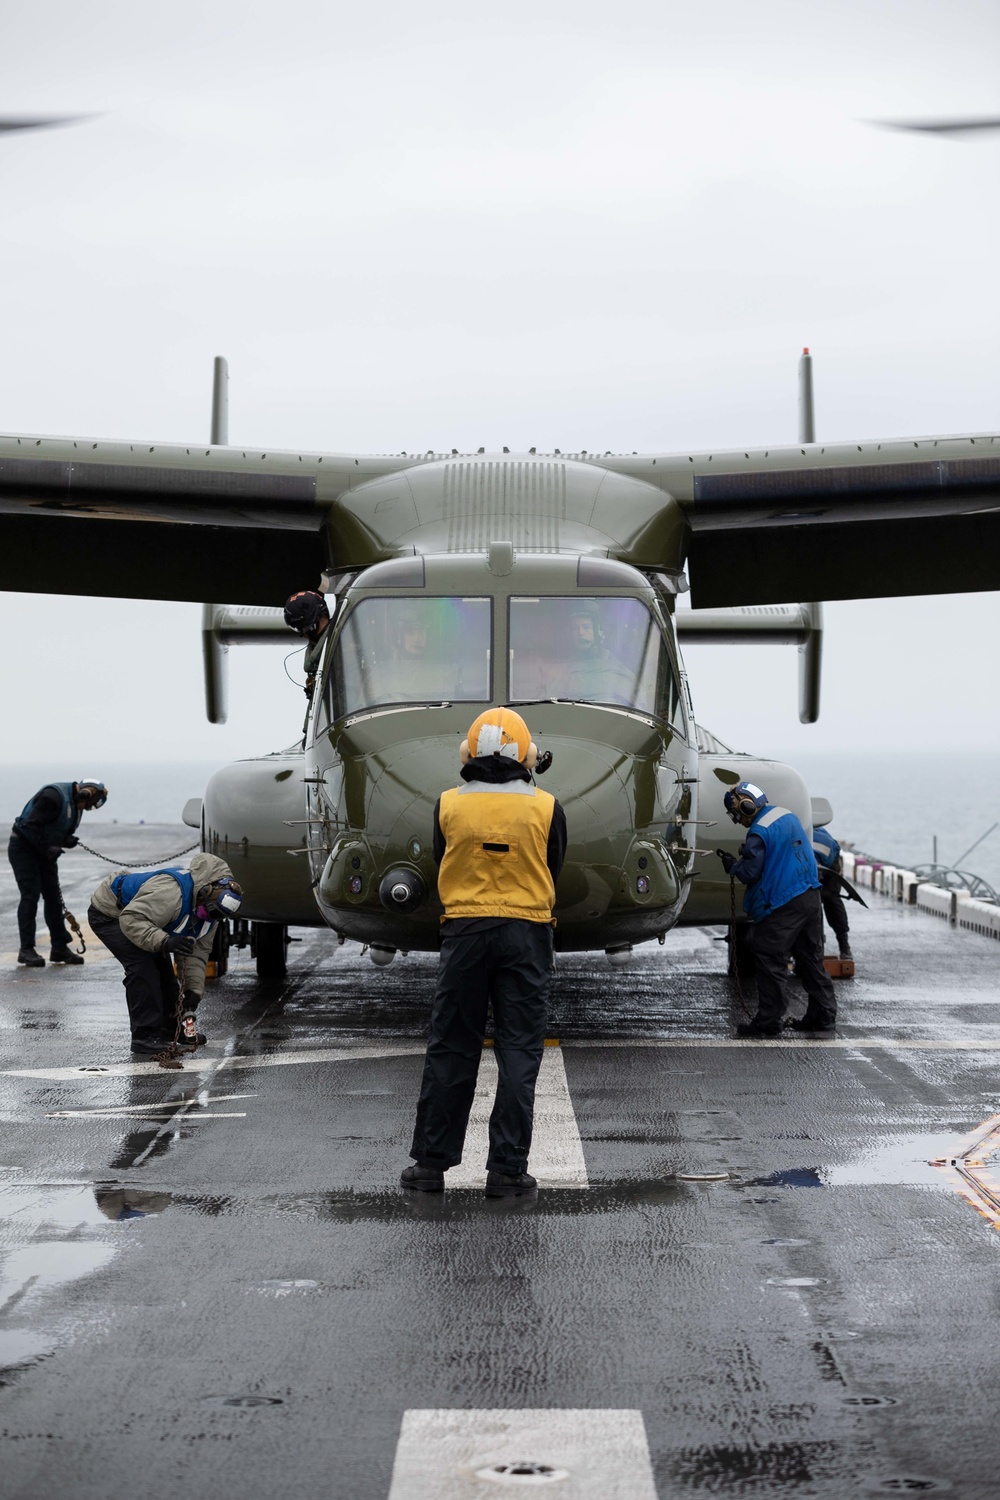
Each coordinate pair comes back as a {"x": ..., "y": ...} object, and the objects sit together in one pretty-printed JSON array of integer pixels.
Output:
[
  {"x": 846, "y": 521},
  {"x": 161, "y": 521}
]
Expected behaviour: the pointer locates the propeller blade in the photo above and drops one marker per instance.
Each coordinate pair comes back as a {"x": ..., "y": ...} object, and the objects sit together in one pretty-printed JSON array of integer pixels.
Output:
[
  {"x": 941, "y": 127},
  {"x": 37, "y": 122}
]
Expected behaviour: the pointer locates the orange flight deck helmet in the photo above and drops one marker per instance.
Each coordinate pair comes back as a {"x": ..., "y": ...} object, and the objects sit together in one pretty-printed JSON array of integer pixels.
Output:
[{"x": 500, "y": 731}]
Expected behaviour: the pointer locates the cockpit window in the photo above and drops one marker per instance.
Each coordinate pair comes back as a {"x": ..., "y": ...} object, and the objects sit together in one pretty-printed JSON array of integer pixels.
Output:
[
  {"x": 593, "y": 650},
  {"x": 412, "y": 651}
]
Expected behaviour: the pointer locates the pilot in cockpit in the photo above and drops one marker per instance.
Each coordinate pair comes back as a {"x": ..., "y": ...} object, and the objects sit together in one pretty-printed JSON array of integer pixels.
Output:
[
  {"x": 413, "y": 672},
  {"x": 592, "y": 673}
]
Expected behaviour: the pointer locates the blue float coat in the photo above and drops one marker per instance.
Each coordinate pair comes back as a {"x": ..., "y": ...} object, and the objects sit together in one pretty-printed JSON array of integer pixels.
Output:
[{"x": 778, "y": 865}]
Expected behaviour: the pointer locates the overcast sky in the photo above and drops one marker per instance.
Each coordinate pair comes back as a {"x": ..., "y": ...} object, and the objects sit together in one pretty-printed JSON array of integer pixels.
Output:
[{"x": 574, "y": 225}]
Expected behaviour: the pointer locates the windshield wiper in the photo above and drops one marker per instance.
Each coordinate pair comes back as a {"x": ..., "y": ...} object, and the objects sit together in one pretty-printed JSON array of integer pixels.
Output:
[{"x": 527, "y": 702}]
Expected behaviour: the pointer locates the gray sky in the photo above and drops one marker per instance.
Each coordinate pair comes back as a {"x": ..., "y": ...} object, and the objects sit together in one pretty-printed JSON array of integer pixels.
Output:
[{"x": 572, "y": 225}]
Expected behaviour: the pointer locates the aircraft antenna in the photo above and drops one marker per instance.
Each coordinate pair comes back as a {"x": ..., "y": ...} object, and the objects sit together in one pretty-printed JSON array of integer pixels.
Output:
[
  {"x": 807, "y": 416},
  {"x": 220, "y": 403}
]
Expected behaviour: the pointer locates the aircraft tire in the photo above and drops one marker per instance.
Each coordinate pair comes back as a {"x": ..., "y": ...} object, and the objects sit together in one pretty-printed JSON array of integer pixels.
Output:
[
  {"x": 269, "y": 941},
  {"x": 742, "y": 954}
]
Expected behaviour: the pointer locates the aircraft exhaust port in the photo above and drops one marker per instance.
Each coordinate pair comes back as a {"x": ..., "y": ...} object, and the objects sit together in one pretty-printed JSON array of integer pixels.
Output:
[{"x": 401, "y": 891}]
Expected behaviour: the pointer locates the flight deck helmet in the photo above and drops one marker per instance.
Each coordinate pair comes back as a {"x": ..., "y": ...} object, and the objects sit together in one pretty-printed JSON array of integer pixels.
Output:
[
  {"x": 500, "y": 731},
  {"x": 95, "y": 790},
  {"x": 304, "y": 611},
  {"x": 219, "y": 899},
  {"x": 744, "y": 800}
]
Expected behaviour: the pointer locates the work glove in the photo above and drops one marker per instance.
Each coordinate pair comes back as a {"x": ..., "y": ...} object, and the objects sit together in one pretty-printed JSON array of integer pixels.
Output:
[
  {"x": 183, "y": 946},
  {"x": 70, "y": 842},
  {"x": 728, "y": 860},
  {"x": 53, "y": 852},
  {"x": 310, "y": 684},
  {"x": 191, "y": 1000}
]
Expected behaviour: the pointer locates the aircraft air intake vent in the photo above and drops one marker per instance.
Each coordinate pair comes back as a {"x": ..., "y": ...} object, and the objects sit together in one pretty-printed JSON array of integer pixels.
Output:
[{"x": 519, "y": 502}]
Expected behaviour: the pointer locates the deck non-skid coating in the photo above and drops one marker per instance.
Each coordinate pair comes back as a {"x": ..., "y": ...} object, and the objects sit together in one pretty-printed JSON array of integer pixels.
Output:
[
  {"x": 212, "y": 1283},
  {"x": 578, "y": 1455}
]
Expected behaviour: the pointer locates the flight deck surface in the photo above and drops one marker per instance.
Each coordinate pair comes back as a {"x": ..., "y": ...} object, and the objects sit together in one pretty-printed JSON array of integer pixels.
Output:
[{"x": 212, "y": 1284}]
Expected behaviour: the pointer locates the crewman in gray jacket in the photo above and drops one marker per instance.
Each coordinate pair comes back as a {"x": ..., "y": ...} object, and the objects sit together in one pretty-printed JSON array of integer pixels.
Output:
[{"x": 146, "y": 917}]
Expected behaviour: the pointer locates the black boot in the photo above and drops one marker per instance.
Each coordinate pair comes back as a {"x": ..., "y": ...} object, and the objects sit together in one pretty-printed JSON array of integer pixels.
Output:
[
  {"x": 31, "y": 958},
  {"x": 423, "y": 1178},
  {"x": 508, "y": 1184},
  {"x": 64, "y": 956},
  {"x": 754, "y": 1031}
]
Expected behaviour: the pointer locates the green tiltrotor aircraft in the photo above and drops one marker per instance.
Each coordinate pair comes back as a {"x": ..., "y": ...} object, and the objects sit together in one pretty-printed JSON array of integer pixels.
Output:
[{"x": 457, "y": 581}]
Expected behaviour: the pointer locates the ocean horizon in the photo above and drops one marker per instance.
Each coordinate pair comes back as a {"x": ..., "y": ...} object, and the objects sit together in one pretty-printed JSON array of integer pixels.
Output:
[{"x": 886, "y": 803}]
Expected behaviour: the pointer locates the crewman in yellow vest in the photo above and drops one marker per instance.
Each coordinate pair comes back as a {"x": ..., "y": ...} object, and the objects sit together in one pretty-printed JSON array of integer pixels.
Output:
[{"x": 500, "y": 842}]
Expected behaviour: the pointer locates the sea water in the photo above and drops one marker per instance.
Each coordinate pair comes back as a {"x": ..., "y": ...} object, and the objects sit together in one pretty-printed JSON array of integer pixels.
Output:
[{"x": 890, "y": 804}]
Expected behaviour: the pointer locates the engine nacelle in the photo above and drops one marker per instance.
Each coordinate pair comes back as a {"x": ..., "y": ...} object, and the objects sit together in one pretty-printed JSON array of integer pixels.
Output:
[{"x": 254, "y": 812}]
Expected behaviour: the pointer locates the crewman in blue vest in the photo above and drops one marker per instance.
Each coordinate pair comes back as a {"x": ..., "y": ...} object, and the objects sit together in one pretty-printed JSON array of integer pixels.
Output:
[
  {"x": 46, "y": 826},
  {"x": 500, "y": 842},
  {"x": 831, "y": 866},
  {"x": 146, "y": 918},
  {"x": 778, "y": 868}
]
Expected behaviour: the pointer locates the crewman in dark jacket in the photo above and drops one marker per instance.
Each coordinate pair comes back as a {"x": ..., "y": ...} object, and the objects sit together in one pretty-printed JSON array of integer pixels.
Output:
[
  {"x": 778, "y": 868},
  {"x": 46, "y": 826},
  {"x": 500, "y": 842},
  {"x": 830, "y": 865}
]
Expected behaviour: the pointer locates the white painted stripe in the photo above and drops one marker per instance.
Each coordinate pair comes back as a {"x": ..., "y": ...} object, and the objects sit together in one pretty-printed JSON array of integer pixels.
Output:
[
  {"x": 155, "y": 1112},
  {"x": 203, "y": 1062},
  {"x": 556, "y": 1151},
  {"x": 442, "y": 1453}
]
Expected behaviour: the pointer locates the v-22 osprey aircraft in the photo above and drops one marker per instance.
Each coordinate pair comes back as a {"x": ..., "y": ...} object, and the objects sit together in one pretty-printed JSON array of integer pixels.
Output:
[{"x": 459, "y": 581}]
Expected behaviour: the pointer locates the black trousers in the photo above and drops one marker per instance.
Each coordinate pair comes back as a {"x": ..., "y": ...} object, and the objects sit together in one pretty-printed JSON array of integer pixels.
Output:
[
  {"x": 510, "y": 965},
  {"x": 796, "y": 929},
  {"x": 150, "y": 986},
  {"x": 36, "y": 876},
  {"x": 834, "y": 910}
]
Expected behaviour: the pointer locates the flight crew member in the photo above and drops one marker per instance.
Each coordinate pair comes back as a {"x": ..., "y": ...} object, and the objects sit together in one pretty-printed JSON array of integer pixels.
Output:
[
  {"x": 146, "y": 917},
  {"x": 778, "y": 868},
  {"x": 46, "y": 826},
  {"x": 831, "y": 865},
  {"x": 307, "y": 614},
  {"x": 500, "y": 842}
]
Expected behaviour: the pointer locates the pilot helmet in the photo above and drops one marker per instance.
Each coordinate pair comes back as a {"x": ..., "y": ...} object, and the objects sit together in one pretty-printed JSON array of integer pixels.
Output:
[
  {"x": 219, "y": 899},
  {"x": 96, "y": 790},
  {"x": 744, "y": 800},
  {"x": 304, "y": 611},
  {"x": 500, "y": 731}
]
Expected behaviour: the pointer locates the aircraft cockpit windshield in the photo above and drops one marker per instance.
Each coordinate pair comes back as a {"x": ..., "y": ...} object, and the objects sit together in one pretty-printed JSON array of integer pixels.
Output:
[
  {"x": 421, "y": 650},
  {"x": 593, "y": 650}
]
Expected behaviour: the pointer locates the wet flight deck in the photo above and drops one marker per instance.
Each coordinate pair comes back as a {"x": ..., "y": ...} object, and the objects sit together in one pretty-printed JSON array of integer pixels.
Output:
[{"x": 761, "y": 1269}]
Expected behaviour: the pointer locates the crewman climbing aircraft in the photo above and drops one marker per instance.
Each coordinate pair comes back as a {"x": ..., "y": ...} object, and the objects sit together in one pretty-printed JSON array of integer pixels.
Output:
[{"x": 457, "y": 581}]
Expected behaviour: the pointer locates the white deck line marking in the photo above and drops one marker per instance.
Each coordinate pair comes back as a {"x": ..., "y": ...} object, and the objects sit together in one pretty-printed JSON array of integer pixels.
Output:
[
  {"x": 440, "y": 1453},
  {"x": 206, "y": 1064},
  {"x": 203, "y": 1062},
  {"x": 556, "y": 1151},
  {"x": 156, "y": 1113}
]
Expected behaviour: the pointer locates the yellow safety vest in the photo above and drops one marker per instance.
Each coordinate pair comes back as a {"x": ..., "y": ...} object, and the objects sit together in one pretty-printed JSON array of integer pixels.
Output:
[{"x": 495, "y": 846}]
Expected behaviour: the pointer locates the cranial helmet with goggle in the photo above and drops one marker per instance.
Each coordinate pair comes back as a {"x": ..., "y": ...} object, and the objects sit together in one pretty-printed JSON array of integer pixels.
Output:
[
  {"x": 744, "y": 801},
  {"x": 219, "y": 899},
  {"x": 500, "y": 731},
  {"x": 95, "y": 790},
  {"x": 304, "y": 611}
]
